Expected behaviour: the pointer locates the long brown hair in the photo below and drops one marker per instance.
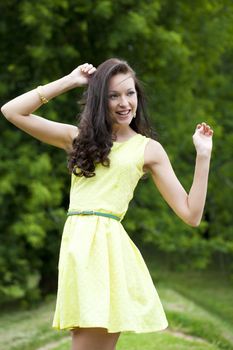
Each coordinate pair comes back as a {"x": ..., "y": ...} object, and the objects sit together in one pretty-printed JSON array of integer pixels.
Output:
[{"x": 94, "y": 141}]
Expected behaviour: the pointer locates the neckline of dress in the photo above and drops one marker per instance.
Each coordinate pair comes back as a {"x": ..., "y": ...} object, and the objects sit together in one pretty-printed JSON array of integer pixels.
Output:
[{"x": 122, "y": 142}]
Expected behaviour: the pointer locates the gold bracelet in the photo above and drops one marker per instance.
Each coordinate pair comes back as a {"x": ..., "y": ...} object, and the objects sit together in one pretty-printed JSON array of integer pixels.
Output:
[{"x": 42, "y": 98}]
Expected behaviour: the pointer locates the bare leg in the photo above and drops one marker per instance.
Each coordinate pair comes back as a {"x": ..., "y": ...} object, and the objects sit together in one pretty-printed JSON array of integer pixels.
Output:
[{"x": 93, "y": 339}]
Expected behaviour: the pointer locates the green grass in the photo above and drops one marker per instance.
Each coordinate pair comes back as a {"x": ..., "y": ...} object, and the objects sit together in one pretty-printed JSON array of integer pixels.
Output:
[
  {"x": 154, "y": 342},
  {"x": 199, "y": 307},
  {"x": 210, "y": 289}
]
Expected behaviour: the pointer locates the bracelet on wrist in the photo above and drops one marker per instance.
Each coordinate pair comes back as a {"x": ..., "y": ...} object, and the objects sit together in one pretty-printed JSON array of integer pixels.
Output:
[{"x": 43, "y": 99}]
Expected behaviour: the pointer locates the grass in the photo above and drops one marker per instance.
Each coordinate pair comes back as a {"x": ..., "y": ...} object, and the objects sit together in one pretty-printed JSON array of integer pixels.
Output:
[
  {"x": 199, "y": 307},
  {"x": 154, "y": 342}
]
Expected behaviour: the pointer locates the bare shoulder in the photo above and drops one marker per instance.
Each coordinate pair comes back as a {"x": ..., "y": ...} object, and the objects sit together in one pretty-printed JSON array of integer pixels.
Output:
[
  {"x": 73, "y": 133},
  {"x": 154, "y": 153}
]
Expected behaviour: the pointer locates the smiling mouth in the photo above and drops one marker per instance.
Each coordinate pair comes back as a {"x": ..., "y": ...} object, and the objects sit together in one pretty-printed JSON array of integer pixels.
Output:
[{"x": 124, "y": 113}]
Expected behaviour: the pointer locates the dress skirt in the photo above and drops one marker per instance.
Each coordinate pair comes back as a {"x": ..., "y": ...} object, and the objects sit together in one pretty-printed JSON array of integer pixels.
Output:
[{"x": 103, "y": 280}]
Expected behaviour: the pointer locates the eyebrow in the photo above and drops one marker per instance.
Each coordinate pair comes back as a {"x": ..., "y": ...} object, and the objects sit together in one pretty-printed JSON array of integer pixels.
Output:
[{"x": 117, "y": 91}]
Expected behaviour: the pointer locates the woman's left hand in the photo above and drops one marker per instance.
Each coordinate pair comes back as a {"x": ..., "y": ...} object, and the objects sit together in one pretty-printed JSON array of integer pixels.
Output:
[{"x": 202, "y": 139}]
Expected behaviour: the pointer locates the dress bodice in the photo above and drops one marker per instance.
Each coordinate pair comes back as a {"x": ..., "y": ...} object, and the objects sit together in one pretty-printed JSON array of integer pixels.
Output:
[{"x": 112, "y": 188}]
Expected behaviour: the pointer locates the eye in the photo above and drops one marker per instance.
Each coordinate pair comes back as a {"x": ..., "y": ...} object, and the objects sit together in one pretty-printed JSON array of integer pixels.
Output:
[
  {"x": 130, "y": 93},
  {"x": 113, "y": 96}
]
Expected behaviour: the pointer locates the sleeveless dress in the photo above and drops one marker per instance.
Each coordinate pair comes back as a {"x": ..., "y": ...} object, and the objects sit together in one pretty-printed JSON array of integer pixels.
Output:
[{"x": 103, "y": 280}]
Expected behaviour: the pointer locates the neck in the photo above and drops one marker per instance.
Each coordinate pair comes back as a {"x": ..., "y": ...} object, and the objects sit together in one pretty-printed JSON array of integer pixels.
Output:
[
  {"x": 122, "y": 132},
  {"x": 121, "y": 129}
]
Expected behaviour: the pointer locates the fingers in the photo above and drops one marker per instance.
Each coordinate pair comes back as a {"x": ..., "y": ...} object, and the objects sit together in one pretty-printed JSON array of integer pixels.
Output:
[
  {"x": 87, "y": 68},
  {"x": 205, "y": 129}
]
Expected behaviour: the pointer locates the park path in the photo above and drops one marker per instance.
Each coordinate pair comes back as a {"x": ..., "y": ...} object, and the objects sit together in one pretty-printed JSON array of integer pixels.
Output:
[{"x": 53, "y": 345}]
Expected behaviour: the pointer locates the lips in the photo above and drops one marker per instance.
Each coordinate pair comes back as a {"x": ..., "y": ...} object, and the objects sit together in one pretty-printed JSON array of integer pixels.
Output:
[{"x": 124, "y": 113}]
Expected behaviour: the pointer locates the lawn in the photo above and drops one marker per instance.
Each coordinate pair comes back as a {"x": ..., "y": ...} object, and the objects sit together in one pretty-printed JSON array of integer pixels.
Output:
[{"x": 199, "y": 307}]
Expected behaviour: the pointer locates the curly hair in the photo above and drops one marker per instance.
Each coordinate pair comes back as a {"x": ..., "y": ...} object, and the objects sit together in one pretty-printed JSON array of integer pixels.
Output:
[{"x": 94, "y": 141}]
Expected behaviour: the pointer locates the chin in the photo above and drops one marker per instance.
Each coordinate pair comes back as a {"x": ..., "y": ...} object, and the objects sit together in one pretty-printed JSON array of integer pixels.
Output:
[{"x": 124, "y": 121}]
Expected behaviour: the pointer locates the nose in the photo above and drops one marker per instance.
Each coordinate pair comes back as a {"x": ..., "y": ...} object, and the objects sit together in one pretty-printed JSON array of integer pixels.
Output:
[{"x": 123, "y": 101}]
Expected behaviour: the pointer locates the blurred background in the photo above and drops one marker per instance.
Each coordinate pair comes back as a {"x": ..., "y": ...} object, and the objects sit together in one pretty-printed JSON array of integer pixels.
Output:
[{"x": 182, "y": 51}]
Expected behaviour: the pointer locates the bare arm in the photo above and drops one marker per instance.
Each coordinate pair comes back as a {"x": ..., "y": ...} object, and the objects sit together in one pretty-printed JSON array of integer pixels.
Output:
[
  {"x": 189, "y": 207},
  {"x": 19, "y": 111}
]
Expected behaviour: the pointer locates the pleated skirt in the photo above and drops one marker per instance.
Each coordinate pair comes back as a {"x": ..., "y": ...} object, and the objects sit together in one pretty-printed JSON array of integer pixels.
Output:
[{"x": 103, "y": 280}]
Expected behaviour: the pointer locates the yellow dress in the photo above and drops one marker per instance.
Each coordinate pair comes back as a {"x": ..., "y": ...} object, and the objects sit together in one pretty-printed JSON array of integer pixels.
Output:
[{"x": 103, "y": 279}]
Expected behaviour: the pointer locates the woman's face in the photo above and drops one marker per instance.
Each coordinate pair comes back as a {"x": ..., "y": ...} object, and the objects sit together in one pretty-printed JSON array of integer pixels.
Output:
[{"x": 122, "y": 98}]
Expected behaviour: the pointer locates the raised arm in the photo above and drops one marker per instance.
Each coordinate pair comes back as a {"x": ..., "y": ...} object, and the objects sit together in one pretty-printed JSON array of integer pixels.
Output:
[
  {"x": 189, "y": 207},
  {"x": 19, "y": 110}
]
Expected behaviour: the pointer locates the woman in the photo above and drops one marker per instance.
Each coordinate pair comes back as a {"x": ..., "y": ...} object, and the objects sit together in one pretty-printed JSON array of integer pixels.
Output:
[{"x": 104, "y": 286}]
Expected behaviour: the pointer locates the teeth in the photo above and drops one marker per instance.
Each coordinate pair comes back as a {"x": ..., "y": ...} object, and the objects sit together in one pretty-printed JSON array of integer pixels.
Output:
[{"x": 123, "y": 113}]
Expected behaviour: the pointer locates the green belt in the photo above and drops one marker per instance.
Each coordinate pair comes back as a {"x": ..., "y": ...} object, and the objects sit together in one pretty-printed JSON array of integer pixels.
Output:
[{"x": 91, "y": 212}]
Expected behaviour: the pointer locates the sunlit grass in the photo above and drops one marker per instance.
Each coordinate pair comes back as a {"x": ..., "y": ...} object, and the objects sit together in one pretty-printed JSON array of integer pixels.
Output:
[{"x": 198, "y": 307}]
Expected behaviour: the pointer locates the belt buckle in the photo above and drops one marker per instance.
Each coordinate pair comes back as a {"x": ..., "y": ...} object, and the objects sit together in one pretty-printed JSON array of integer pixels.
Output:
[{"x": 89, "y": 212}]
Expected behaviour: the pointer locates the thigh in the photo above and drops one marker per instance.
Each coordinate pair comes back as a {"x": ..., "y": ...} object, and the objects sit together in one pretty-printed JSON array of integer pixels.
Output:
[{"x": 93, "y": 339}]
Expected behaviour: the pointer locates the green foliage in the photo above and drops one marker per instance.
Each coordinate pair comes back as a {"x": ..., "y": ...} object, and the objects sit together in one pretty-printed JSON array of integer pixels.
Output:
[{"x": 183, "y": 51}]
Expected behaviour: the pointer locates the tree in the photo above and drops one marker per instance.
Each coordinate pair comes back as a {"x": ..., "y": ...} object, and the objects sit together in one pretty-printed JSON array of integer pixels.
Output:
[{"x": 182, "y": 51}]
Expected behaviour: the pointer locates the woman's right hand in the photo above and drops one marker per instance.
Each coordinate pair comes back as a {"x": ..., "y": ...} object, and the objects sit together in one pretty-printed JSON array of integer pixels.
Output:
[
  {"x": 81, "y": 74},
  {"x": 19, "y": 111}
]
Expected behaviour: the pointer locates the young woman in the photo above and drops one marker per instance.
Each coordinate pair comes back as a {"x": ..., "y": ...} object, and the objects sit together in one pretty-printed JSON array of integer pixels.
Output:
[{"x": 104, "y": 286}]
